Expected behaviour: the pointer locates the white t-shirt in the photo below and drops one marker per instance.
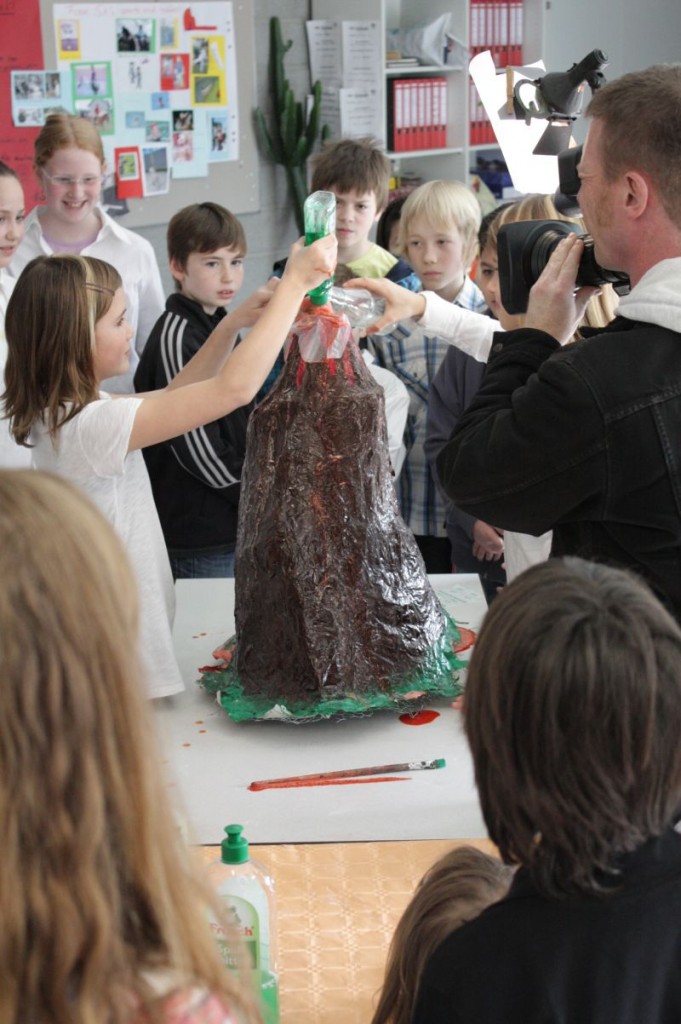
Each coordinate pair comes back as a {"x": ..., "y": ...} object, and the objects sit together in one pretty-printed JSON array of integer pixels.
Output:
[
  {"x": 12, "y": 455},
  {"x": 134, "y": 259},
  {"x": 92, "y": 453}
]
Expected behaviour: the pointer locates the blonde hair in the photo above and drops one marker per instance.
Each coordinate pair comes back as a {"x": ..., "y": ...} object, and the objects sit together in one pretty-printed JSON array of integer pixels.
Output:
[
  {"x": 601, "y": 309},
  {"x": 96, "y": 886},
  {"x": 50, "y": 329},
  {"x": 63, "y": 131},
  {"x": 444, "y": 205},
  {"x": 456, "y": 889}
]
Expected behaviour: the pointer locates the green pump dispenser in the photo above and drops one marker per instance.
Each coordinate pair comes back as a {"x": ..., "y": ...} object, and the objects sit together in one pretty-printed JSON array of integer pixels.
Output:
[{"x": 247, "y": 890}]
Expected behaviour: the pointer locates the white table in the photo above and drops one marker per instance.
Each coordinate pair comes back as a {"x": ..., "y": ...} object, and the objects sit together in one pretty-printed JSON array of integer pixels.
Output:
[{"x": 212, "y": 760}]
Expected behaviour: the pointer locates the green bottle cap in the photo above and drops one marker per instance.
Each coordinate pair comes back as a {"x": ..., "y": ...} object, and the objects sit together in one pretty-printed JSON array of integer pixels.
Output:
[{"x": 235, "y": 846}]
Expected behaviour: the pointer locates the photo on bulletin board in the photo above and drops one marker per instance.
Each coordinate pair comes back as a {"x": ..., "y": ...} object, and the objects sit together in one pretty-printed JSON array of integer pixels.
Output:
[
  {"x": 175, "y": 71},
  {"x": 68, "y": 39},
  {"x": 160, "y": 101},
  {"x": 157, "y": 130},
  {"x": 134, "y": 119},
  {"x": 135, "y": 35},
  {"x": 156, "y": 170},
  {"x": 167, "y": 31},
  {"x": 128, "y": 167},
  {"x": 99, "y": 111},
  {"x": 90, "y": 80}
]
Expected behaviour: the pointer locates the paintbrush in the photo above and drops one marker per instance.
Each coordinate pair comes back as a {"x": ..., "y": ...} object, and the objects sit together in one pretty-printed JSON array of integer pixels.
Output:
[{"x": 347, "y": 773}]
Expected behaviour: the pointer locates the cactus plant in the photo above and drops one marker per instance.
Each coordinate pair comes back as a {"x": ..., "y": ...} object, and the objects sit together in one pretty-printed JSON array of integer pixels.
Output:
[{"x": 292, "y": 135}]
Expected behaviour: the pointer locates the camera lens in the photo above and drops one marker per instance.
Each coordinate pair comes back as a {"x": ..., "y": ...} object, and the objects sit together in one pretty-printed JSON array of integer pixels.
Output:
[{"x": 541, "y": 251}]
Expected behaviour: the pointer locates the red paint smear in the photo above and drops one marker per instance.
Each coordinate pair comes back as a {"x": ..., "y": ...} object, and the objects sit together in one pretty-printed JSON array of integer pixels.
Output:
[
  {"x": 467, "y": 639},
  {"x": 420, "y": 718},
  {"x": 186, "y": 744},
  {"x": 203, "y": 730},
  {"x": 256, "y": 787}
]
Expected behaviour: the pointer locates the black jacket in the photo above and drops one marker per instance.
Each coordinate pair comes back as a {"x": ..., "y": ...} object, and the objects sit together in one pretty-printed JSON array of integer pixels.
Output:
[
  {"x": 195, "y": 477},
  {"x": 584, "y": 440},
  {"x": 614, "y": 959}
]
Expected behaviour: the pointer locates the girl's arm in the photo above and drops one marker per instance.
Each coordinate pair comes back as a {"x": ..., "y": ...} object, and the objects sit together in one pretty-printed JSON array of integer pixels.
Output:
[
  {"x": 469, "y": 331},
  {"x": 173, "y": 411}
]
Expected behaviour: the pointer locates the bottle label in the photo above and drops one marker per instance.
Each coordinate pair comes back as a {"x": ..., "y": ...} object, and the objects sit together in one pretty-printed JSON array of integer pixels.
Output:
[{"x": 244, "y": 919}]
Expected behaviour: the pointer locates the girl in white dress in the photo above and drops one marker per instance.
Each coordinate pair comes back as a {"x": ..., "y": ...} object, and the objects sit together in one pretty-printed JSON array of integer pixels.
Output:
[{"x": 67, "y": 331}]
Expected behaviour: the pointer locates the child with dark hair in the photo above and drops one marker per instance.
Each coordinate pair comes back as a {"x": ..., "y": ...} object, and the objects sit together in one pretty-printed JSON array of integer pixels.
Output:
[
  {"x": 358, "y": 174},
  {"x": 388, "y": 227},
  {"x": 195, "y": 477},
  {"x": 573, "y": 717},
  {"x": 456, "y": 889}
]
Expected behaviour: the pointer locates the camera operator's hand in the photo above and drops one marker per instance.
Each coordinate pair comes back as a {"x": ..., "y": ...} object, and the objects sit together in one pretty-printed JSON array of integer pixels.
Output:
[{"x": 555, "y": 306}]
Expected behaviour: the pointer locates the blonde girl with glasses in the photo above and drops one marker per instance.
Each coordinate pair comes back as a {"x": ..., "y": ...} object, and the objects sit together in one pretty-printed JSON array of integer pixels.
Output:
[
  {"x": 104, "y": 914},
  {"x": 69, "y": 164},
  {"x": 67, "y": 331}
]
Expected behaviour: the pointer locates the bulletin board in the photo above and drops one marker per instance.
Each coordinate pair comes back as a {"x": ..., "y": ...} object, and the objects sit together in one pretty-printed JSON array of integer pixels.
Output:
[{"x": 183, "y": 53}]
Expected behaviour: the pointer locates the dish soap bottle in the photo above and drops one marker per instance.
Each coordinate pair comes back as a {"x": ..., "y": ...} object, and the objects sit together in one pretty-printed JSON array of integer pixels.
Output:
[{"x": 248, "y": 892}]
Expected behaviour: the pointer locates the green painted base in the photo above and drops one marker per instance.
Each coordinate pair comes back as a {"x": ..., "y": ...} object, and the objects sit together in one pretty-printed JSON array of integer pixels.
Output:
[{"x": 438, "y": 677}]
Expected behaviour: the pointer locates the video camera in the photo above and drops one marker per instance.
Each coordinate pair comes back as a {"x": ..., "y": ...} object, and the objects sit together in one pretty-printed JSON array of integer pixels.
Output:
[{"x": 524, "y": 248}]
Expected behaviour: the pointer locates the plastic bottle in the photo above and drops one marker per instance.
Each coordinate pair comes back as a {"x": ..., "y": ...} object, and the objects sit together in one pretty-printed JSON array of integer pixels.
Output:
[
  {"x": 360, "y": 306},
  {"x": 319, "y": 211},
  {"x": 248, "y": 891}
]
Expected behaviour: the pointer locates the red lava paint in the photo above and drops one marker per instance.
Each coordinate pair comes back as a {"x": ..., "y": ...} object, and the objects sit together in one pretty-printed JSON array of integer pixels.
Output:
[
  {"x": 186, "y": 744},
  {"x": 202, "y": 730},
  {"x": 420, "y": 718},
  {"x": 257, "y": 787},
  {"x": 467, "y": 639}
]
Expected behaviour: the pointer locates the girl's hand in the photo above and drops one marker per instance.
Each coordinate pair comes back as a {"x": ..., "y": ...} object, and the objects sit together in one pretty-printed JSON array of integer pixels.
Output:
[
  {"x": 247, "y": 312},
  {"x": 308, "y": 266},
  {"x": 400, "y": 303}
]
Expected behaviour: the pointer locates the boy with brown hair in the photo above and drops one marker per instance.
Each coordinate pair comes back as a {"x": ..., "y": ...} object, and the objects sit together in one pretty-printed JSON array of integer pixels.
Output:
[
  {"x": 196, "y": 477},
  {"x": 358, "y": 174}
]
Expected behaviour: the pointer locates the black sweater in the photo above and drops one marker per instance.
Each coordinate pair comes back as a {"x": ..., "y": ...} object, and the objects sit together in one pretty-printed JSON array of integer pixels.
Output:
[{"x": 195, "y": 477}]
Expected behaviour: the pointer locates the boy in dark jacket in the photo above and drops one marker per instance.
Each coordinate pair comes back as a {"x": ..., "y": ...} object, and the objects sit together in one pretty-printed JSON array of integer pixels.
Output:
[{"x": 195, "y": 478}]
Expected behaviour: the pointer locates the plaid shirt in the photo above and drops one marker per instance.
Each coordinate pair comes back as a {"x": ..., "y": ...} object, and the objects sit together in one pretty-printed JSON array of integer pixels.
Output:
[{"x": 416, "y": 357}]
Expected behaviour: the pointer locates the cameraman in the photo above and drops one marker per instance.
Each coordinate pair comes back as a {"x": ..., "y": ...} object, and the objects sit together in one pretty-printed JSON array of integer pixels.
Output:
[{"x": 587, "y": 440}]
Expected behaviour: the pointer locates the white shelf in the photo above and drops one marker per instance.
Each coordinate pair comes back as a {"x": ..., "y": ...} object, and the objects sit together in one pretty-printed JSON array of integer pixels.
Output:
[
  {"x": 453, "y": 160},
  {"x": 411, "y": 153},
  {"x": 423, "y": 69}
]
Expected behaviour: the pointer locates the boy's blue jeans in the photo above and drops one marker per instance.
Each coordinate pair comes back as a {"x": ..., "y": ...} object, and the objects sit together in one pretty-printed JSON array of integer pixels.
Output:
[{"x": 193, "y": 565}]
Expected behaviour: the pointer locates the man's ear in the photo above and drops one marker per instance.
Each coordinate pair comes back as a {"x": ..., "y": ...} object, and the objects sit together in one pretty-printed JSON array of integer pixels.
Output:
[{"x": 637, "y": 195}]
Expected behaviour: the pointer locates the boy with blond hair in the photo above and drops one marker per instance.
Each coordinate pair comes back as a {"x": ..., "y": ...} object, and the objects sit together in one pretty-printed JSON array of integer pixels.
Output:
[{"x": 438, "y": 235}]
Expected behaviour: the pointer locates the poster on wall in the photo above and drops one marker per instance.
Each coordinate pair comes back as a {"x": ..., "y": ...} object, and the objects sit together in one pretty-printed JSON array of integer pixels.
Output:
[
  {"x": 21, "y": 50},
  {"x": 159, "y": 82}
]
